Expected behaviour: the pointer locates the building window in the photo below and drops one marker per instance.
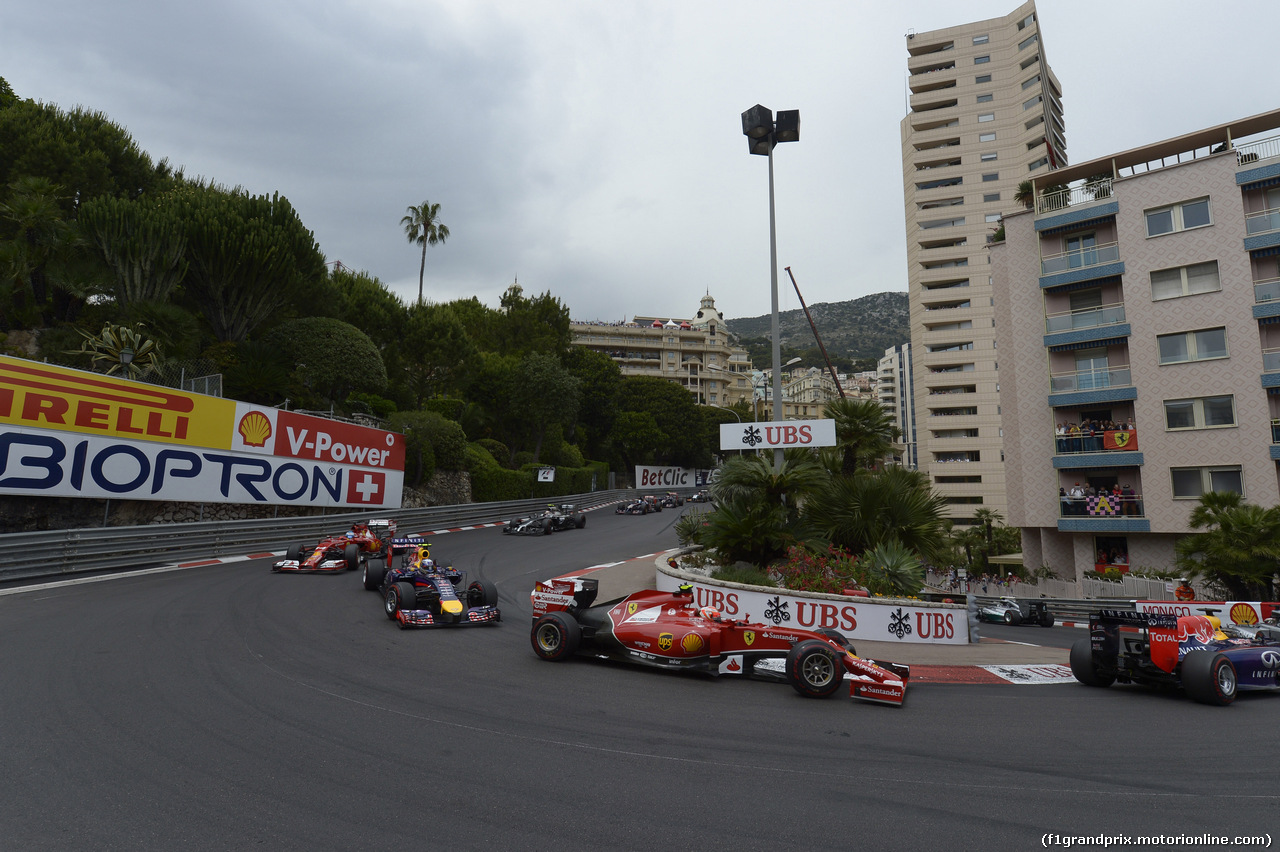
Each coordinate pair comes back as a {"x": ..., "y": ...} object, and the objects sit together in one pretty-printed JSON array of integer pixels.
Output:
[
  {"x": 986, "y": 137},
  {"x": 987, "y": 116},
  {"x": 986, "y": 99},
  {"x": 988, "y": 157},
  {"x": 1185, "y": 346},
  {"x": 1028, "y": 41},
  {"x": 991, "y": 196},
  {"x": 1043, "y": 161},
  {"x": 990, "y": 177},
  {"x": 1029, "y": 104},
  {"x": 1185, "y": 281},
  {"x": 1178, "y": 217},
  {"x": 1191, "y": 482},
  {"x": 1029, "y": 61},
  {"x": 1206, "y": 412},
  {"x": 1027, "y": 21},
  {"x": 979, "y": 60},
  {"x": 982, "y": 39},
  {"x": 993, "y": 217},
  {"x": 1030, "y": 81},
  {"x": 982, "y": 78}
]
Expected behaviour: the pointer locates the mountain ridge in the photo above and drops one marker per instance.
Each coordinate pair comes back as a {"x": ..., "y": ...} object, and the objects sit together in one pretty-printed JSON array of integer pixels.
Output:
[{"x": 857, "y": 328}]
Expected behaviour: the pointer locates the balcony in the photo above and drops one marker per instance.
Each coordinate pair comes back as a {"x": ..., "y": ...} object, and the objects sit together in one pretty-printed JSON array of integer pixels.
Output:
[
  {"x": 1102, "y": 513},
  {"x": 1081, "y": 259},
  {"x": 1262, "y": 222},
  {"x": 1271, "y": 368},
  {"x": 1103, "y": 315},
  {"x": 1085, "y": 193},
  {"x": 1087, "y": 387},
  {"x": 1105, "y": 448}
]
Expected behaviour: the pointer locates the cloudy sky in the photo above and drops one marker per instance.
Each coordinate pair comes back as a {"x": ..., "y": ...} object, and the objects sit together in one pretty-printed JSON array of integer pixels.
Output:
[{"x": 593, "y": 149}]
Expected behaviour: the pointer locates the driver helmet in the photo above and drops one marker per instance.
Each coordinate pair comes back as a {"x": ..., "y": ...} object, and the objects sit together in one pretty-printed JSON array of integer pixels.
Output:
[
  {"x": 350, "y": 534},
  {"x": 710, "y": 613}
]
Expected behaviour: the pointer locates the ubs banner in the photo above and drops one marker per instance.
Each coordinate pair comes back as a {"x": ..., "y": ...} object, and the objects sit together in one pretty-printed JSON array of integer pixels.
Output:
[
  {"x": 68, "y": 433},
  {"x": 782, "y": 434}
]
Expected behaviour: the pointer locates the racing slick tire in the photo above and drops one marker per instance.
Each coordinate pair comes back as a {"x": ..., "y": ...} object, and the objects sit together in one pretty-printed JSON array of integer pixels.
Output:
[
  {"x": 351, "y": 555},
  {"x": 1046, "y": 619},
  {"x": 837, "y": 637},
  {"x": 482, "y": 593},
  {"x": 1082, "y": 666},
  {"x": 546, "y": 528},
  {"x": 1015, "y": 618},
  {"x": 295, "y": 553},
  {"x": 400, "y": 596},
  {"x": 581, "y": 522},
  {"x": 1209, "y": 677},
  {"x": 813, "y": 669},
  {"x": 555, "y": 636},
  {"x": 374, "y": 572}
]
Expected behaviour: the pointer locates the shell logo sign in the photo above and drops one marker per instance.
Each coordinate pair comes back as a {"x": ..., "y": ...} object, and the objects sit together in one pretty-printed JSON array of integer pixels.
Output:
[
  {"x": 1243, "y": 613},
  {"x": 255, "y": 429},
  {"x": 692, "y": 643}
]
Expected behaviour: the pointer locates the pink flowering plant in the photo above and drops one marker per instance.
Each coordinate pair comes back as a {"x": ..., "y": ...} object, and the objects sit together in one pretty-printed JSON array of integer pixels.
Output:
[{"x": 806, "y": 571}]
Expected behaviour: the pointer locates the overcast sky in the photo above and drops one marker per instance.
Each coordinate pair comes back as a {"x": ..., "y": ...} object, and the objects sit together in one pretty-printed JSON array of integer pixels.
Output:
[{"x": 594, "y": 149}]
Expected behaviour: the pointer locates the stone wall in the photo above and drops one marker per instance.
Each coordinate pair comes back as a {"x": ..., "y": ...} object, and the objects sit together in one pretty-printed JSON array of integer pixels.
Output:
[{"x": 32, "y": 514}]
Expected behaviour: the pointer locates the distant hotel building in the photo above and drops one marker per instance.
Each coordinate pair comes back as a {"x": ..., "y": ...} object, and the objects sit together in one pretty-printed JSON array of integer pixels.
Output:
[
  {"x": 985, "y": 115},
  {"x": 895, "y": 392},
  {"x": 1146, "y": 294}
]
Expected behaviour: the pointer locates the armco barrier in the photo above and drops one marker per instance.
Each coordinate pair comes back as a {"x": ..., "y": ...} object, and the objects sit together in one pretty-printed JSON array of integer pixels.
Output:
[{"x": 56, "y": 552}]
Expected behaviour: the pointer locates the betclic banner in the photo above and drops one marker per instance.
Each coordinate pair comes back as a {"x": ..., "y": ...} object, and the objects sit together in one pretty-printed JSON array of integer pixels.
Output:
[{"x": 70, "y": 433}]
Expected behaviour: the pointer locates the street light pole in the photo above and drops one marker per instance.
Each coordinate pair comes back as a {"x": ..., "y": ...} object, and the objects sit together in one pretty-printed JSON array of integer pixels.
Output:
[{"x": 763, "y": 134}]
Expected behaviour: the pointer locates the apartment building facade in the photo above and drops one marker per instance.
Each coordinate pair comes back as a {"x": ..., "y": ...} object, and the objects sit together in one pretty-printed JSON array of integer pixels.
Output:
[
  {"x": 896, "y": 394},
  {"x": 985, "y": 115},
  {"x": 1138, "y": 324}
]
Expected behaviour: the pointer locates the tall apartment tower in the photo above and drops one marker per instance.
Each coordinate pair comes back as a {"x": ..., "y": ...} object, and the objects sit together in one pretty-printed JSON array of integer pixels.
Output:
[{"x": 985, "y": 115}]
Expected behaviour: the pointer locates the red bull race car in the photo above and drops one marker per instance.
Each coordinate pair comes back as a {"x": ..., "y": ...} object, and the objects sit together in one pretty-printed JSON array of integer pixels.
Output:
[
  {"x": 1208, "y": 661},
  {"x": 422, "y": 592},
  {"x": 668, "y": 630},
  {"x": 342, "y": 552}
]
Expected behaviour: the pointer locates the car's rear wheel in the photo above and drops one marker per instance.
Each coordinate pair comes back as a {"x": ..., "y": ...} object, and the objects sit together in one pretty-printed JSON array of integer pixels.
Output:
[
  {"x": 1209, "y": 677},
  {"x": 374, "y": 572},
  {"x": 1082, "y": 665},
  {"x": 1046, "y": 619},
  {"x": 581, "y": 522},
  {"x": 1015, "y": 617},
  {"x": 400, "y": 596},
  {"x": 1008, "y": 616},
  {"x": 556, "y": 636},
  {"x": 351, "y": 555},
  {"x": 813, "y": 669}
]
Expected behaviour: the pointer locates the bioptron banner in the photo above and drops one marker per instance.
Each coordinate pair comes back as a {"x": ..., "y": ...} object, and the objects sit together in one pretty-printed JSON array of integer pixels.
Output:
[{"x": 70, "y": 433}]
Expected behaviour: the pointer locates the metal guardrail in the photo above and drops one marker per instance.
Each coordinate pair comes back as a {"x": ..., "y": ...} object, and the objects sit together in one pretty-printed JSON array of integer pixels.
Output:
[{"x": 59, "y": 552}]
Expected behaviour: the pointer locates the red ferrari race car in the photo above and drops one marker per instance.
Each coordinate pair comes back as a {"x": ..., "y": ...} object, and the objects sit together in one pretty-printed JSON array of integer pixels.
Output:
[
  {"x": 343, "y": 552},
  {"x": 668, "y": 630}
]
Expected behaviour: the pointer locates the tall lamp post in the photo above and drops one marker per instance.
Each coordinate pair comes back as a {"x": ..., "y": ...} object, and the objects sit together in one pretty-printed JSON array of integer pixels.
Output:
[{"x": 763, "y": 133}]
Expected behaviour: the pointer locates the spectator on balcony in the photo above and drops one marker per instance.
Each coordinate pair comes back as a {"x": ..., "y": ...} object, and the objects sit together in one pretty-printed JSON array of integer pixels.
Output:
[
  {"x": 1065, "y": 501},
  {"x": 1061, "y": 434},
  {"x": 1077, "y": 499},
  {"x": 1129, "y": 501},
  {"x": 1073, "y": 439}
]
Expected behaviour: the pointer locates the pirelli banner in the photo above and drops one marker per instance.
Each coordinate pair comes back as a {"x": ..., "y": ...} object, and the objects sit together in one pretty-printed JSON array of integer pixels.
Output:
[{"x": 69, "y": 433}]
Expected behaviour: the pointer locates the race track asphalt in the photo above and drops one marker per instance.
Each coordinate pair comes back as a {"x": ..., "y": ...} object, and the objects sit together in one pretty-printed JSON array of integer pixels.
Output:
[{"x": 224, "y": 707}]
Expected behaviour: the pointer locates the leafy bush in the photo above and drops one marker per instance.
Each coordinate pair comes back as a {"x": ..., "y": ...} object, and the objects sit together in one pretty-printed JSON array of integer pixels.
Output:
[
  {"x": 805, "y": 571},
  {"x": 490, "y": 482},
  {"x": 450, "y": 409},
  {"x": 892, "y": 569},
  {"x": 689, "y": 527},
  {"x": 747, "y": 575},
  {"x": 500, "y": 452}
]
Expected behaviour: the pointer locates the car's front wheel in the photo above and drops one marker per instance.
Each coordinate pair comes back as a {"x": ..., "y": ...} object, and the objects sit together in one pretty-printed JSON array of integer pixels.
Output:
[
  {"x": 813, "y": 669},
  {"x": 351, "y": 555},
  {"x": 556, "y": 636},
  {"x": 400, "y": 596}
]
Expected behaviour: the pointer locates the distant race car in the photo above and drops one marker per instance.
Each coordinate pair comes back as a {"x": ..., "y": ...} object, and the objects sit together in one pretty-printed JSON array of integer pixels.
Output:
[
  {"x": 1009, "y": 611},
  {"x": 546, "y": 522},
  {"x": 655, "y": 503},
  {"x": 425, "y": 593},
  {"x": 634, "y": 507},
  {"x": 342, "y": 552},
  {"x": 669, "y": 630},
  {"x": 702, "y": 496},
  {"x": 1210, "y": 662},
  {"x": 566, "y": 517},
  {"x": 671, "y": 500}
]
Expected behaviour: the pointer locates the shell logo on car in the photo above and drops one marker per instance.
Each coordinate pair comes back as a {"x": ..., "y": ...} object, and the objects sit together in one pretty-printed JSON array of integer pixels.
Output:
[{"x": 692, "y": 643}]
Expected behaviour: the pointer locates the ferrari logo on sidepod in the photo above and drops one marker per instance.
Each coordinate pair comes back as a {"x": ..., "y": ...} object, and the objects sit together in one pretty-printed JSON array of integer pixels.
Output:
[
  {"x": 748, "y": 636},
  {"x": 664, "y": 641},
  {"x": 632, "y": 607}
]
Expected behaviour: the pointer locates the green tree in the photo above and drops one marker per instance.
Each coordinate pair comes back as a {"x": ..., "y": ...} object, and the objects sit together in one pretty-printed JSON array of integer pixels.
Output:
[
  {"x": 673, "y": 410},
  {"x": 1240, "y": 548},
  {"x": 249, "y": 256},
  {"x": 859, "y": 512},
  {"x": 544, "y": 393},
  {"x": 600, "y": 379},
  {"x": 436, "y": 351},
  {"x": 537, "y": 324},
  {"x": 636, "y": 437},
  {"x": 423, "y": 228},
  {"x": 142, "y": 242},
  {"x": 1025, "y": 194},
  {"x": 332, "y": 358},
  {"x": 865, "y": 432},
  {"x": 754, "y": 477},
  {"x": 110, "y": 349}
]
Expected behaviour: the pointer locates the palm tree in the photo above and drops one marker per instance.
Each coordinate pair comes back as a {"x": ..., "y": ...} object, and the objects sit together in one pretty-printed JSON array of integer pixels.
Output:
[
  {"x": 423, "y": 228},
  {"x": 1026, "y": 194},
  {"x": 864, "y": 432},
  {"x": 1240, "y": 549},
  {"x": 860, "y": 512}
]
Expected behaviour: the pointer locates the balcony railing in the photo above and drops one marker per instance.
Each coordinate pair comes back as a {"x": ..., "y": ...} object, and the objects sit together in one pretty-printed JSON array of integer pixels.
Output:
[
  {"x": 1261, "y": 223},
  {"x": 1082, "y": 194},
  {"x": 1080, "y": 259},
  {"x": 1271, "y": 360},
  {"x": 1087, "y": 318},
  {"x": 1100, "y": 441},
  {"x": 1266, "y": 290},
  {"x": 1261, "y": 150},
  {"x": 1079, "y": 380},
  {"x": 1105, "y": 505}
]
